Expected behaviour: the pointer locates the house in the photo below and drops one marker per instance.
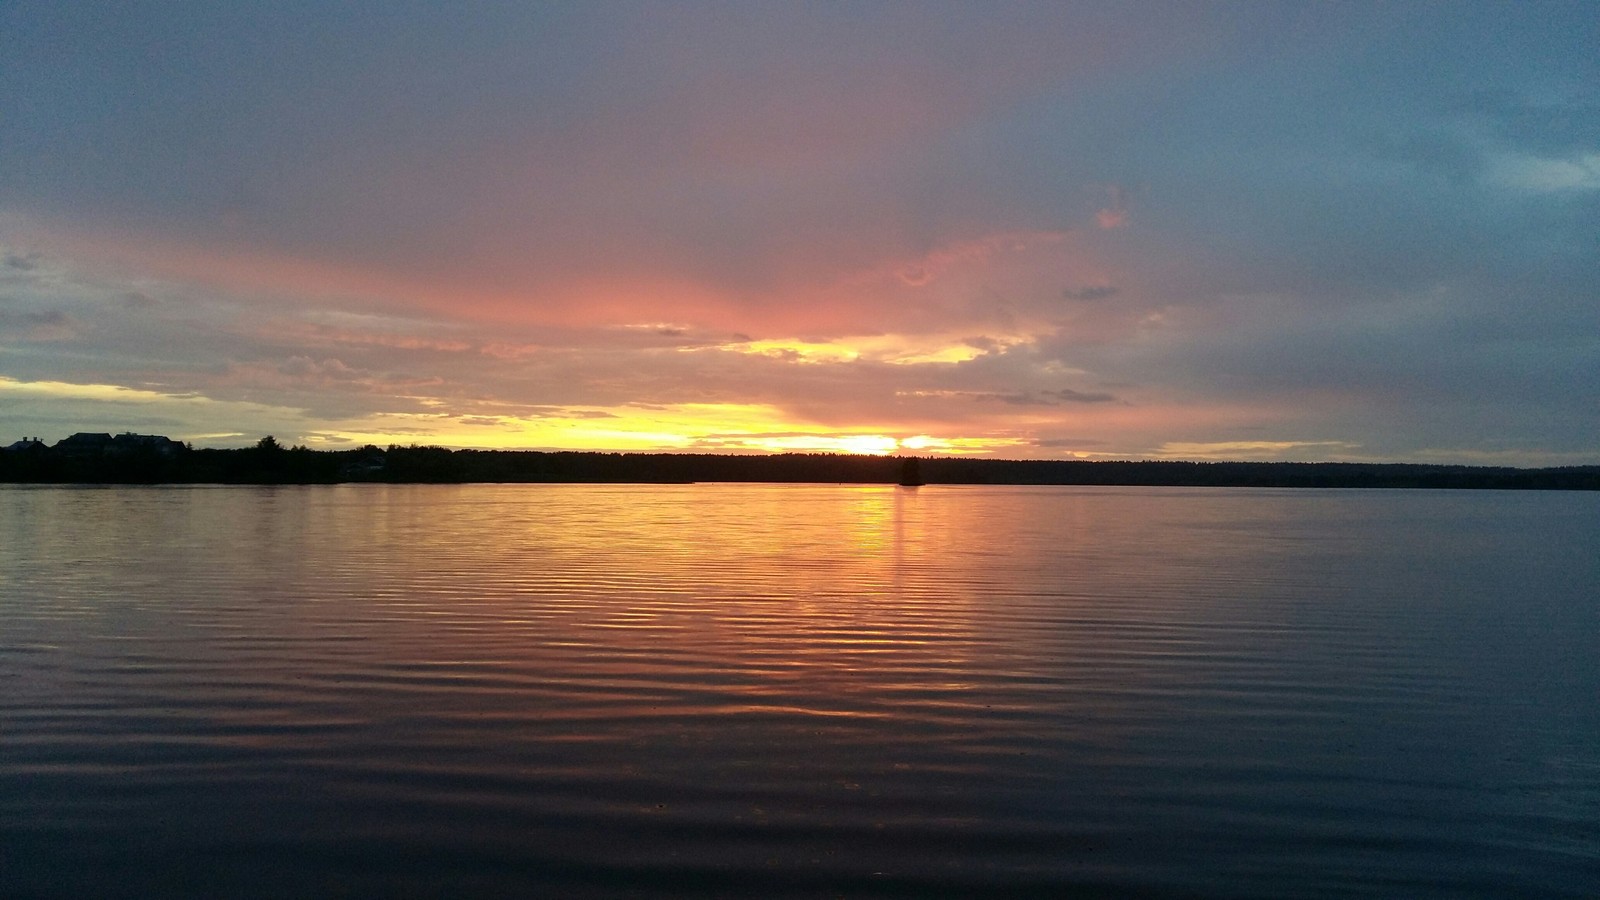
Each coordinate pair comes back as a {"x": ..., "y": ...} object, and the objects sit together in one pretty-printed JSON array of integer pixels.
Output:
[
  {"x": 368, "y": 464},
  {"x": 98, "y": 445},
  {"x": 27, "y": 445},
  {"x": 159, "y": 444},
  {"x": 83, "y": 445}
]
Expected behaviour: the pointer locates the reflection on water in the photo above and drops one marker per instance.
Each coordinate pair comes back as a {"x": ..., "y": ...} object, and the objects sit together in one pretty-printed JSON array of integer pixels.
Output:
[{"x": 737, "y": 690}]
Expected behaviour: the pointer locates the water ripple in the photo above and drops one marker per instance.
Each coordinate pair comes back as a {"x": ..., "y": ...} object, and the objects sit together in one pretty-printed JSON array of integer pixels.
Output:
[{"x": 738, "y": 690}]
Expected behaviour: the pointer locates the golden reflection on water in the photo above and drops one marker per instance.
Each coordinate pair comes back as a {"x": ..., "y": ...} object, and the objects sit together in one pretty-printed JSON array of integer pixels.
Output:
[
  {"x": 783, "y": 593},
  {"x": 826, "y": 602}
]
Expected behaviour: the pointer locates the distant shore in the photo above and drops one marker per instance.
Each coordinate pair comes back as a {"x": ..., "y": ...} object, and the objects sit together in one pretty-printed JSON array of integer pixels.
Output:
[{"x": 270, "y": 463}]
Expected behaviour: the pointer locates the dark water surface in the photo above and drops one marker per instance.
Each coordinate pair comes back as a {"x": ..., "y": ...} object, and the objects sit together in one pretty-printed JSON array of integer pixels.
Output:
[{"x": 739, "y": 690}]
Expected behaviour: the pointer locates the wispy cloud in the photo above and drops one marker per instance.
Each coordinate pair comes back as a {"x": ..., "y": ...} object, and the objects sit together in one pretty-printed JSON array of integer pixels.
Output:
[{"x": 1255, "y": 449}]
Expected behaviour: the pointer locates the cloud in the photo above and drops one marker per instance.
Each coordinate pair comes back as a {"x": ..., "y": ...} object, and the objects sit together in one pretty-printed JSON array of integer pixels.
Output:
[
  {"x": 1546, "y": 175},
  {"x": 1537, "y": 120},
  {"x": 1042, "y": 397},
  {"x": 44, "y": 326},
  {"x": 975, "y": 251},
  {"x": 1091, "y": 292},
  {"x": 1254, "y": 449},
  {"x": 825, "y": 221},
  {"x": 1048, "y": 397},
  {"x": 317, "y": 334},
  {"x": 51, "y": 317},
  {"x": 85, "y": 403},
  {"x": 1115, "y": 213},
  {"x": 322, "y": 371},
  {"x": 1068, "y": 442}
]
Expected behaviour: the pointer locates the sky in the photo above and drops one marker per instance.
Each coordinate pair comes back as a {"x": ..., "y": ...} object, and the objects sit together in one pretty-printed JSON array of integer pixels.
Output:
[{"x": 1276, "y": 231}]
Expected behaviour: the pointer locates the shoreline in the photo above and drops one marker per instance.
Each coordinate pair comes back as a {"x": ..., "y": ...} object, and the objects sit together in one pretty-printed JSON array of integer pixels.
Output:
[{"x": 436, "y": 465}]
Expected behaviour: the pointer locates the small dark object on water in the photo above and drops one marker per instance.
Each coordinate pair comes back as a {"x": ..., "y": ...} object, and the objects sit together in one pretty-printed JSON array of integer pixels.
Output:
[{"x": 911, "y": 473}]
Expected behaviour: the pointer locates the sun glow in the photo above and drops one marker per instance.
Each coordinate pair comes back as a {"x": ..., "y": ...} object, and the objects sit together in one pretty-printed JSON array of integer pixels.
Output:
[
  {"x": 893, "y": 349},
  {"x": 689, "y": 427},
  {"x": 865, "y": 444},
  {"x": 794, "y": 351},
  {"x": 685, "y": 427}
]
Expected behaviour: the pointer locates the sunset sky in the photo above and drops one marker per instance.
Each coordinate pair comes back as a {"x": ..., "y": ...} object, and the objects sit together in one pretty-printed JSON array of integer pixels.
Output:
[{"x": 1329, "y": 231}]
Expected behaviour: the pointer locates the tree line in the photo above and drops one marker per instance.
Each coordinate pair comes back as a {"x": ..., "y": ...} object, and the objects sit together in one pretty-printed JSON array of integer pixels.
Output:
[{"x": 269, "y": 462}]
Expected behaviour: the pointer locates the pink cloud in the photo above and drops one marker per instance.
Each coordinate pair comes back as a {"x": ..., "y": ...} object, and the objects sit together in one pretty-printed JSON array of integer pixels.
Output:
[
  {"x": 1114, "y": 215},
  {"x": 975, "y": 251}
]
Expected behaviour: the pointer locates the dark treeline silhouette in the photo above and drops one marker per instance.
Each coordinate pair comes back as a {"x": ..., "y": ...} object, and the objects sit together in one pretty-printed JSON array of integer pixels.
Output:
[{"x": 268, "y": 462}]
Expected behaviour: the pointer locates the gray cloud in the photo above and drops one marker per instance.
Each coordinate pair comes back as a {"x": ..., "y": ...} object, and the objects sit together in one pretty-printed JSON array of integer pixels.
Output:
[
  {"x": 42, "y": 326},
  {"x": 1048, "y": 397},
  {"x": 1090, "y": 292},
  {"x": 49, "y": 317}
]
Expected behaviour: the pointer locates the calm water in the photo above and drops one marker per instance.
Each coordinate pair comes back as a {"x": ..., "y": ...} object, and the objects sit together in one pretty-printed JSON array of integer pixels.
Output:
[{"x": 736, "y": 690}]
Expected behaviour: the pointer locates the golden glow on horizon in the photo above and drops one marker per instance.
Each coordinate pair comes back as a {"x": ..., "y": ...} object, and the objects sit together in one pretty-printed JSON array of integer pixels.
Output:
[
  {"x": 699, "y": 427},
  {"x": 866, "y": 444},
  {"x": 689, "y": 427},
  {"x": 894, "y": 349}
]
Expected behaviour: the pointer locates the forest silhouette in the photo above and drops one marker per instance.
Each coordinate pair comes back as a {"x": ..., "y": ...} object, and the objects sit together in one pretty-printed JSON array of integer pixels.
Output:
[{"x": 269, "y": 462}]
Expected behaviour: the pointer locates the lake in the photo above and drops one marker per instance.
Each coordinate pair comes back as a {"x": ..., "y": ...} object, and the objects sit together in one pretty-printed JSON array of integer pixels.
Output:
[{"x": 798, "y": 690}]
